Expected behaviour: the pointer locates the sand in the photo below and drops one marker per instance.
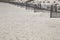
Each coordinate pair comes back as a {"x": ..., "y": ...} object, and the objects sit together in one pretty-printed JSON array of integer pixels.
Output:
[{"x": 17, "y": 23}]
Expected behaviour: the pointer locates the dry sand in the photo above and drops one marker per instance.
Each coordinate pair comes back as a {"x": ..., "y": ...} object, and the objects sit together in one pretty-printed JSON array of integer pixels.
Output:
[{"x": 19, "y": 24}]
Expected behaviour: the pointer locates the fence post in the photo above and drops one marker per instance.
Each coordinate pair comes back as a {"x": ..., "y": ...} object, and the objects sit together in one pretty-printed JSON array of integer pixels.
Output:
[
  {"x": 40, "y": 5},
  {"x": 56, "y": 8},
  {"x": 51, "y": 11},
  {"x": 34, "y": 7},
  {"x": 26, "y": 5}
]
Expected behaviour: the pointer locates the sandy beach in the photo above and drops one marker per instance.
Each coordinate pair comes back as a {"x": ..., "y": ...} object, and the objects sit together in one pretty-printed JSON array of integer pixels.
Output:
[{"x": 17, "y": 23}]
